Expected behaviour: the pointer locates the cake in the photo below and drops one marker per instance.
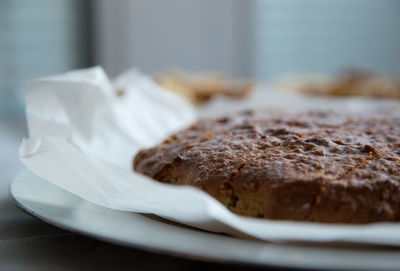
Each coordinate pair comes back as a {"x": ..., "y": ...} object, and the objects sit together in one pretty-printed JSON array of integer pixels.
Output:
[
  {"x": 305, "y": 166},
  {"x": 352, "y": 83},
  {"x": 201, "y": 88}
]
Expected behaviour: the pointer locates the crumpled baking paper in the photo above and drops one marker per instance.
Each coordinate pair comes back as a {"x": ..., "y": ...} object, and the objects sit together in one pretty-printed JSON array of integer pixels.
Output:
[{"x": 84, "y": 131}]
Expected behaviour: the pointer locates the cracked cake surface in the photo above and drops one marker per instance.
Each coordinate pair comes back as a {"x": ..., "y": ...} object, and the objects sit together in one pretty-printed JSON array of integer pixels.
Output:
[{"x": 307, "y": 166}]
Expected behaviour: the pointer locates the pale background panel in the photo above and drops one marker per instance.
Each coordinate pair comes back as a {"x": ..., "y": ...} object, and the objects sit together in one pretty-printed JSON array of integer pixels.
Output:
[
  {"x": 326, "y": 36},
  {"x": 188, "y": 34}
]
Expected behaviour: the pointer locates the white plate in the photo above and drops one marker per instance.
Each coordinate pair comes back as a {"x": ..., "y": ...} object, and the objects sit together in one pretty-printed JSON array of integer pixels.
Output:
[{"x": 65, "y": 210}]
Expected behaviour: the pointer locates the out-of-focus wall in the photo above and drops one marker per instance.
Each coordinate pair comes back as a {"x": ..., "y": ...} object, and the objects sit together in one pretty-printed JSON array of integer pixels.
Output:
[
  {"x": 326, "y": 36},
  {"x": 188, "y": 34},
  {"x": 260, "y": 38},
  {"x": 39, "y": 38}
]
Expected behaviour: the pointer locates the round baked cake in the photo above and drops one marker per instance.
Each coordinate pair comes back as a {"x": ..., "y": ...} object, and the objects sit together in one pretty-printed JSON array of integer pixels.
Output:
[{"x": 308, "y": 166}]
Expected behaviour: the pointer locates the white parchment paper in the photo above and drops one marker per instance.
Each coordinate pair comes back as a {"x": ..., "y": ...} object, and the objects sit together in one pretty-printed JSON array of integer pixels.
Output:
[{"x": 83, "y": 137}]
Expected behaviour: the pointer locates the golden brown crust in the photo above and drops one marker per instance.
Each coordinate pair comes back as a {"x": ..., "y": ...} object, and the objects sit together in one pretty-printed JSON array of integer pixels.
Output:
[{"x": 310, "y": 166}]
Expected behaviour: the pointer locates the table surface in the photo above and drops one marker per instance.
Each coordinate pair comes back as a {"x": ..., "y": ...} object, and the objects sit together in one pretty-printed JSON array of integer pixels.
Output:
[{"x": 27, "y": 243}]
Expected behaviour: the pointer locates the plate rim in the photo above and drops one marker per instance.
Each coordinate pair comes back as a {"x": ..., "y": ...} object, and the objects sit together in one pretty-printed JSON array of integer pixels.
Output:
[
  {"x": 149, "y": 247},
  {"x": 140, "y": 246}
]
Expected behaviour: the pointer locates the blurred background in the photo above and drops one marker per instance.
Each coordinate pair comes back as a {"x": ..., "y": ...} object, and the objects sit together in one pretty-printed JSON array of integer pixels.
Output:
[
  {"x": 254, "y": 39},
  {"x": 260, "y": 39}
]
